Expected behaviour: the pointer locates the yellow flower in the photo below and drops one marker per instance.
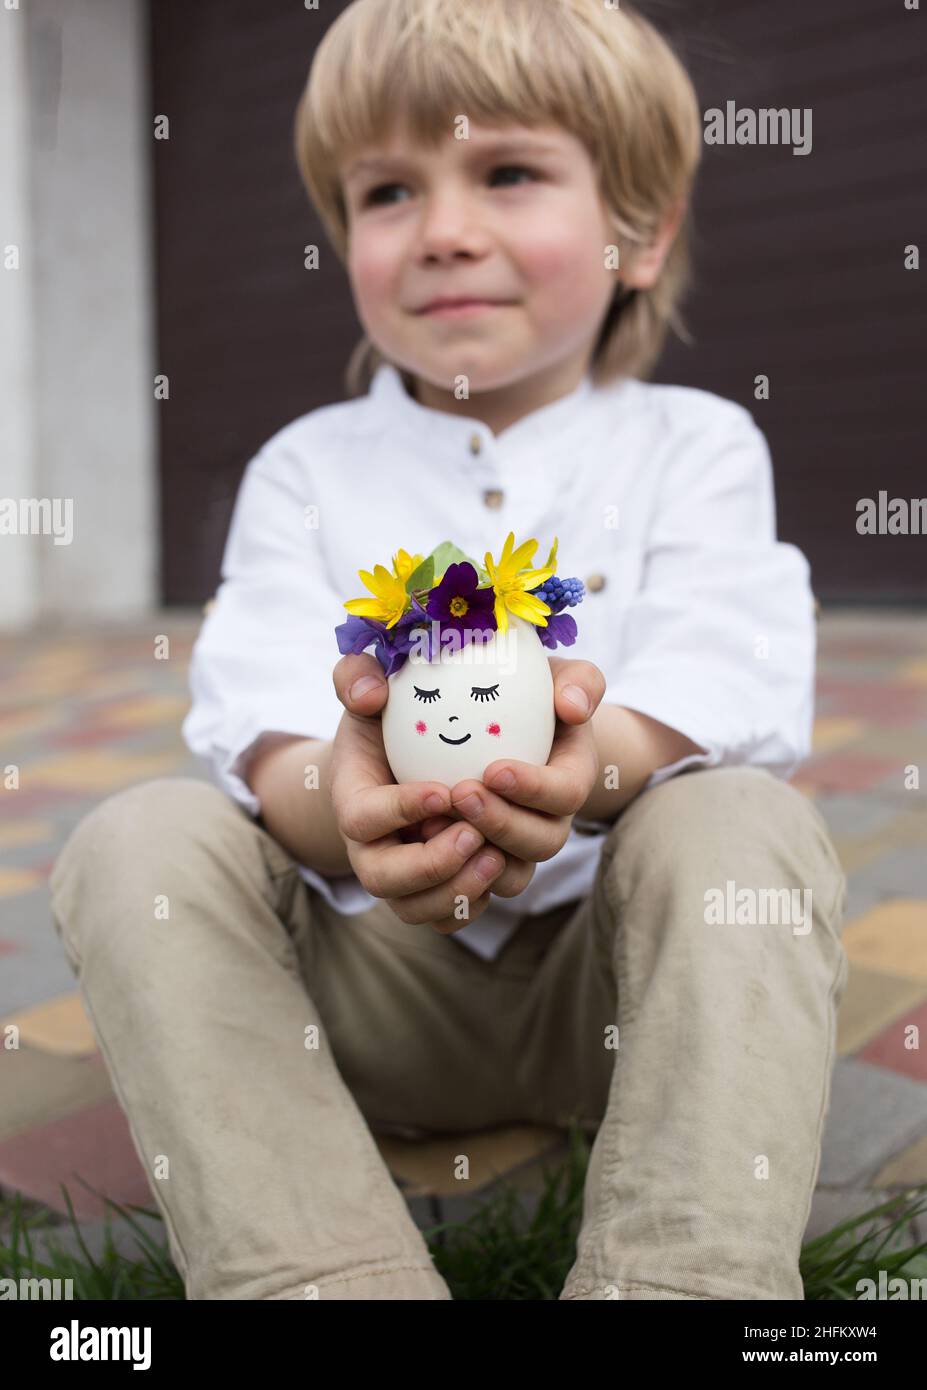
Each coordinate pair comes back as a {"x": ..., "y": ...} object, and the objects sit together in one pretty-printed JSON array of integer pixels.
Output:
[
  {"x": 390, "y": 598},
  {"x": 405, "y": 565},
  {"x": 511, "y": 580}
]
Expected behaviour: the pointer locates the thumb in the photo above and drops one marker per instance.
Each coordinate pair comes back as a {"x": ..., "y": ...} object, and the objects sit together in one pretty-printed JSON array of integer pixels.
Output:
[{"x": 350, "y": 675}]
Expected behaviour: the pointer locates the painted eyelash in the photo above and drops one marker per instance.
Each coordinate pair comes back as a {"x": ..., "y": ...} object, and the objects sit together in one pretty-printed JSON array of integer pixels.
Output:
[
  {"x": 427, "y": 695},
  {"x": 481, "y": 693}
]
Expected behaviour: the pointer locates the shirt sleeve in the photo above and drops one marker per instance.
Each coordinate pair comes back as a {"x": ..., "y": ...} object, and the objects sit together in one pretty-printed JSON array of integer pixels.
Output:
[
  {"x": 719, "y": 641},
  {"x": 261, "y": 665}
]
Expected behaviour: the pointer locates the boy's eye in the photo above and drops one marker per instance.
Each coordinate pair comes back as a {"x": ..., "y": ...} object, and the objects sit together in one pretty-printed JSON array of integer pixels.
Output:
[
  {"x": 427, "y": 695},
  {"x": 375, "y": 196},
  {"x": 488, "y": 692},
  {"x": 515, "y": 169}
]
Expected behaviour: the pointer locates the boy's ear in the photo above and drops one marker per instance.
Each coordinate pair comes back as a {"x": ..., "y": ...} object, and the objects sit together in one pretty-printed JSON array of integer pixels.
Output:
[{"x": 647, "y": 263}]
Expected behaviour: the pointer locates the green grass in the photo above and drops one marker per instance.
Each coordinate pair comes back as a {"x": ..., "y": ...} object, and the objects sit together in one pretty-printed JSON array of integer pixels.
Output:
[{"x": 501, "y": 1253}]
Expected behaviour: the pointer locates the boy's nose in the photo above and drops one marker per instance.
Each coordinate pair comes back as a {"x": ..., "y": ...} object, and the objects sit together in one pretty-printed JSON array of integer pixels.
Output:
[{"x": 450, "y": 226}]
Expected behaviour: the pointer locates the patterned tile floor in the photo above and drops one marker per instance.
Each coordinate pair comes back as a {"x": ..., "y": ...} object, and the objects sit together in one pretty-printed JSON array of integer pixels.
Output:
[{"x": 85, "y": 713}]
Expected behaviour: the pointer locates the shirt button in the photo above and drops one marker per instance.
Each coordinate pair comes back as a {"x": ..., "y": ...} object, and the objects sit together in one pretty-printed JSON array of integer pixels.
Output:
[
  {"x": 476, "y": 443},
  {"x": 493, "y": 497},
  {"x": 595, "y": 582}
]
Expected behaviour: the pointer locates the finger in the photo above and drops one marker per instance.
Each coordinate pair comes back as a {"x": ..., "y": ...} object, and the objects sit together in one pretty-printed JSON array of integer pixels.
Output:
[
  {"x": 579, "y": 687},
  {"x": 446, "y": 926},
  {"x": 527, "y": 834},
  {"x": 368, "y": 802},
  {"x": 434, "y": 825},
  {"x": 426, "y": 829},
  {"x": 390, "y": 869},
  {"x": 366, "y": 813},
  {"x": 455, "y": 897},
  {"x": 559, "y": 788},
  {"x": 348, "y": 676},
  {"x": 514, "y": 878}
]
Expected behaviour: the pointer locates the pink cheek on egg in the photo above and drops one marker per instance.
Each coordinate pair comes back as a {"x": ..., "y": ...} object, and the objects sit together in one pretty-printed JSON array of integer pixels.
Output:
[
  {"x": 421, "y": 727},
  {"x": 494, "y": 729}
]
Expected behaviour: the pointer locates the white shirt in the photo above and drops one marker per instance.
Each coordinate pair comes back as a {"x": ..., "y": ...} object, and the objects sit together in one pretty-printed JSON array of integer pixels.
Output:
[{"x": 704, "y": 620}]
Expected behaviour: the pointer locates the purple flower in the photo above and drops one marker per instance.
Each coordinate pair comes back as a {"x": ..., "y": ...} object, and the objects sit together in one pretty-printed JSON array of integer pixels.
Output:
[
  {"x": 459, "y": 603},
  {"x": 560, "y": 631},
  {"x": 559, "y": 594},
  {"x": 392, "y": 645}
]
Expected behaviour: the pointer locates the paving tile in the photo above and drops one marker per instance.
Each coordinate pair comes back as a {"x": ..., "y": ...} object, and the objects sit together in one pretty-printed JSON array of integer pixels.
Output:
[
  {"x": 25, "y": 832},
  {"x": 901, "y": 1046},
  {"x": 90, "y": 1146},
  {"x": 16, "y": 881},
  {"x": 147, "y": 710},
  {"x": 883, "y": 701},
  {"x": 31, "y": 799},
  {"x": 29, "y": 976},
  {"x": 862, "y": 895},
  {"x": 906, "y": 742},
  {"x": 872, "y": 1001},
  {"x": 426, "y": 1167},
  {"x": 856, "y": 814},
  {"x": 97, "y": 771},
  {"x": 848, "y": 772},
  {"x": 860, "y": 854},
  {"x": 892, "y": 938},
  {"x": 873, "y": 1114},
  {"x": 89, "y": 736},
  {"x": 15, "y": 728},
  {"x": 911, "y": 824},
  {"x": 863, "y": 645},
  {"x": 834, "y": 731},
  {"x": 903, "y": 873},
  {"x": 913, "y": 672},
  {"x": 59, "y": 1026},
  {"x": 36, "y": 1087},
  {"x": 906, "y": 1169}
]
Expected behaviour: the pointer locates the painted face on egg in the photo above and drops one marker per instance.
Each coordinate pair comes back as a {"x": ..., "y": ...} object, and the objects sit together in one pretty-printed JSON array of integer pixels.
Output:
[{"x": 449, "y": 718}]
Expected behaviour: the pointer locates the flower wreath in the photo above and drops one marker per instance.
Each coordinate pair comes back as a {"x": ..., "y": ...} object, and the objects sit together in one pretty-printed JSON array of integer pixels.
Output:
[{"x": 468, "y": 598}]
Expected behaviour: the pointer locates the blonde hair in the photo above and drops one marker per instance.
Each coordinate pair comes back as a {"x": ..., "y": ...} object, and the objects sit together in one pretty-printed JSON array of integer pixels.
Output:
[{"x": 604, "y": 75}]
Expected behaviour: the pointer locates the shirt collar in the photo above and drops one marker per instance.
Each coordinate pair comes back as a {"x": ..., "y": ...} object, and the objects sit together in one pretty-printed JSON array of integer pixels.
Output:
[{"x": 438, "y": 428}]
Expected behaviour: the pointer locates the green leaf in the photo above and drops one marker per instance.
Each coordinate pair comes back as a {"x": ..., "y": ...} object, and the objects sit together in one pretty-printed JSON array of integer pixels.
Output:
[
  {"x": 447, "y": 553},
  {"x": 423, "y": 577}
]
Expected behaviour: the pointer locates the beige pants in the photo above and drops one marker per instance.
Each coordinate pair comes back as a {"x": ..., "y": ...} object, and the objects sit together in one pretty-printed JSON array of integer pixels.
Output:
[{"x": 205, "y": 964}]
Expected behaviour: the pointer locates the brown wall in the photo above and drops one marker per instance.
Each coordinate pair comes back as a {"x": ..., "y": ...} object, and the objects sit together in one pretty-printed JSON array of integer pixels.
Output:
[{"x": 799, "y": 265}]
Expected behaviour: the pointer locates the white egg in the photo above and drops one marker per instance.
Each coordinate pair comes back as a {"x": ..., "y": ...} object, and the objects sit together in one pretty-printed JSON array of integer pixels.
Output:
[{"x": 449, "y": 718}]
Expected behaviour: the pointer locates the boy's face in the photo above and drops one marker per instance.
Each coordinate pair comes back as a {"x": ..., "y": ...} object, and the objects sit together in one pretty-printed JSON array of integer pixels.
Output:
[{"x": 511, "y": 217}]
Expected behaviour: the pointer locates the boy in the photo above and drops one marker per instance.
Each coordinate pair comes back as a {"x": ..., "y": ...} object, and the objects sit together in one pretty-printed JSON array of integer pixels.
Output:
[{"x": 315, "y": 984}]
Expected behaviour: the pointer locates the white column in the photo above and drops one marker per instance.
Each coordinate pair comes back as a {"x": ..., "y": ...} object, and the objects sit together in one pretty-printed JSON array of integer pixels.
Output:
[
  {"x": 18, "y": 554},
  {"x": 83, "y": 134}
]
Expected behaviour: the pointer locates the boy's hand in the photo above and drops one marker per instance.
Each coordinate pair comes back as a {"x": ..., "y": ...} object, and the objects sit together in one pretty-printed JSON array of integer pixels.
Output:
[
  {"x": 531, "y": 819},
  {"x": 420, "y": 879}
]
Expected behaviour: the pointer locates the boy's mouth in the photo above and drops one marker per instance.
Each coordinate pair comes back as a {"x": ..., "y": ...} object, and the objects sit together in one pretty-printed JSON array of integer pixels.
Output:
[
  {"x": 461, "y": 306},
  {"x": 453, "y": 740}
]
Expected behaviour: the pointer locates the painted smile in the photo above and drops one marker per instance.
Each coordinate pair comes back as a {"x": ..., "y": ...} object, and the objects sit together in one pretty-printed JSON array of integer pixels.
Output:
[{"x": 453, "y": 740}]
